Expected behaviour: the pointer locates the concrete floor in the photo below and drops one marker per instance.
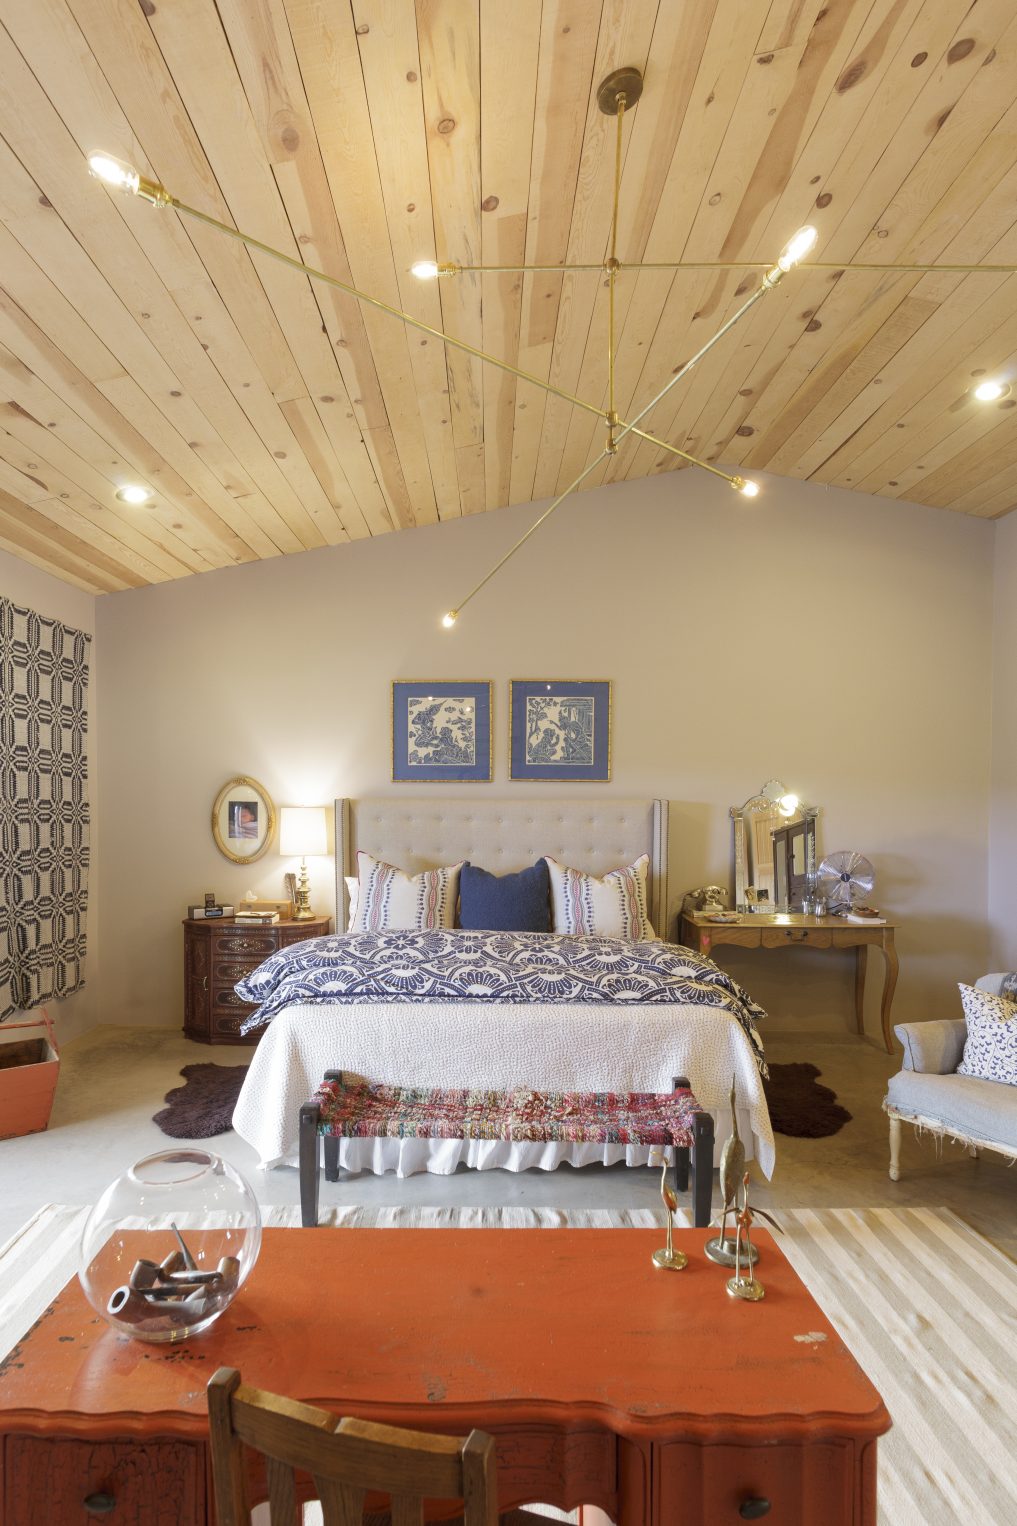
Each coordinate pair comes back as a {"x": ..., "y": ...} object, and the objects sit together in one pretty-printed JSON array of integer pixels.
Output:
[{"x": 113, "y": 1080}]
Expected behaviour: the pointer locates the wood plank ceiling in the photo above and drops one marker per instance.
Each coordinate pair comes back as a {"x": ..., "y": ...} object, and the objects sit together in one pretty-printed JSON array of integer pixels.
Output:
[{"x": 270, "y": 414}]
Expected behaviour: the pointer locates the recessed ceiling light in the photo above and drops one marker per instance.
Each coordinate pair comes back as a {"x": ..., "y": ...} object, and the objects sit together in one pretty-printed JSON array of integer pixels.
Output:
[
  {"x": 133, "y": 494},
  {"x": 990, "y": 391}
]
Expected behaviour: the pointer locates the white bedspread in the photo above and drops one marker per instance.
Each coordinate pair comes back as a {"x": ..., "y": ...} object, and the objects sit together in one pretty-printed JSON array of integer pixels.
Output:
[{"x": 547, "y": 1046}]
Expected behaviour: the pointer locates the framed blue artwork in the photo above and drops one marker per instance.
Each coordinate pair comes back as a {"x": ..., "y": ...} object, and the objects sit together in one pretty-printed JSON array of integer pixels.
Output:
[
  {"x": 560, "y": 729},
  {"x": 441, "y": 732}
]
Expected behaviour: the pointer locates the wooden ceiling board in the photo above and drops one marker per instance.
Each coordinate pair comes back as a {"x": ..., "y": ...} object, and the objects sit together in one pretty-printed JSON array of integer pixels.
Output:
[{"x": 270, "y": 413}]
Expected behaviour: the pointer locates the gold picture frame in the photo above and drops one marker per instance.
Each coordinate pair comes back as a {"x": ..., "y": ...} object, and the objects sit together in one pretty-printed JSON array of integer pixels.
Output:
[
  {"x": 600, "y": 692},
  {"x": 243, "y": 813},
  {"x": 477, "y": 694}
]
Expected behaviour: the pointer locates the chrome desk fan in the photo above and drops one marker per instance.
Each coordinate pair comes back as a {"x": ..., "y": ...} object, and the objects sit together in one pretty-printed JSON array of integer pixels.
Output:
[{"x": 844, "y": 878}]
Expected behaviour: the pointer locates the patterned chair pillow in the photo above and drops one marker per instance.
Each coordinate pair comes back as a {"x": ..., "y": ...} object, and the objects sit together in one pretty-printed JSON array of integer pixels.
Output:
[
  {"x": 612, "y": 907},
  {"x": 390, "y": 901},
  {"x": 990, "y": 1049}
]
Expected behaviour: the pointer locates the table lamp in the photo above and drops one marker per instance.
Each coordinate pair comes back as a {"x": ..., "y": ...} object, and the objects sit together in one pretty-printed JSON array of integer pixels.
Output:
[{"x": 302, "y": 830}]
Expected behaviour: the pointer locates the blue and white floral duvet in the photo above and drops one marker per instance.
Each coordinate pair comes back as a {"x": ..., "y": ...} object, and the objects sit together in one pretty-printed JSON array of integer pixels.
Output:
[{"x": 492, "y": 967}]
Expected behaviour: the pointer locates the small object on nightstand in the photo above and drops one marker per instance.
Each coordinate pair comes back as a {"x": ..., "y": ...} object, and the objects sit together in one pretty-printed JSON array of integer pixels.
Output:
[{"x": 200, "y": 912}]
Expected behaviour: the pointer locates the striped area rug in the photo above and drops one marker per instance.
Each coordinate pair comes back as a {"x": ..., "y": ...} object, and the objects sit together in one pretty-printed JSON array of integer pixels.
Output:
[{"x": 927, "y": 1306}]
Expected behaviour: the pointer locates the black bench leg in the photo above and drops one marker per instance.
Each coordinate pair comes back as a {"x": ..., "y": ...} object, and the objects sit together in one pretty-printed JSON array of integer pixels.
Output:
[
  {"x": 309, "y": 1118},
  {"x": 681, "y": 1168},
  {"x": 331, "y": 1141},
  {"x": 702, "y": 1170},
  {"x": 681, "y": 1152}
]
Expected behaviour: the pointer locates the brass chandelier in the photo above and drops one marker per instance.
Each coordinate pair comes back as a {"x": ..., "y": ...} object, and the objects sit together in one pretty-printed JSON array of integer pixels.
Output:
[{"x": 617, "y": 95}]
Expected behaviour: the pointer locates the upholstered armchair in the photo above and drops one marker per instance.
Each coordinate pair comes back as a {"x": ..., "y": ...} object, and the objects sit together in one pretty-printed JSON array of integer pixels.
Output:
[{"x": 928, "y": 1093}]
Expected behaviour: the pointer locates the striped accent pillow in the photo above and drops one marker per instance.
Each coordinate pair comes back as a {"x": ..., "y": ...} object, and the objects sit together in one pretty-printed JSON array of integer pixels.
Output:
[
  {"x": 614, "y": 907},
  {"x": 391, "y": 901}
]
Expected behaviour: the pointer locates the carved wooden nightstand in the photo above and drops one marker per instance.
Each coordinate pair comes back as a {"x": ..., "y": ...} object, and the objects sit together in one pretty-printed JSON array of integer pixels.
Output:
[{"x": 217, "y": 953}]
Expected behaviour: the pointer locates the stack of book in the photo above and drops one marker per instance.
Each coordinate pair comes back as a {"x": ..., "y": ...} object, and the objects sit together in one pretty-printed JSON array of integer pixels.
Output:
[{"x": 245, "y": 915}]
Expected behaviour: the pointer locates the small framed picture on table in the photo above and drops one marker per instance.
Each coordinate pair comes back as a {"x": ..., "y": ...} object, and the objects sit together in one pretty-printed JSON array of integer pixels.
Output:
[
  {"x": 441, "y": 731},
  {"x": 560, "y": 729}
]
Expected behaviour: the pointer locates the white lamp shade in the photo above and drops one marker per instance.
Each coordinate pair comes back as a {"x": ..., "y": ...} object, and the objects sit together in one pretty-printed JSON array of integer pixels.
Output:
[{"x": 303, "y": 831}]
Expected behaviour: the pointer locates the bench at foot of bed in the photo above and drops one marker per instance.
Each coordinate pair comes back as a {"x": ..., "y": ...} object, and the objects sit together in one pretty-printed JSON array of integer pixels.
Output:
[{"x": 360, "y": 1110}]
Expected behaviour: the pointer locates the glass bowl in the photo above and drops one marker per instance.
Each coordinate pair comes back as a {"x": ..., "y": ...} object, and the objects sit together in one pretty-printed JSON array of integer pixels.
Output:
[{"x": 169, "y": 1244}]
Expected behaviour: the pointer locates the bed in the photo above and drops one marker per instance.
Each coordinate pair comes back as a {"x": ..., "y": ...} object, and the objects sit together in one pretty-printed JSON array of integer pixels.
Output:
[{"x": 544, "y": 1044}]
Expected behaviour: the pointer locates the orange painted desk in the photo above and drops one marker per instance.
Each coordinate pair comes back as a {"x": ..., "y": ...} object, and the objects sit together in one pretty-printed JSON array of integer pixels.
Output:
[
  {"x": 795, "y": 931},
  {"x": 651, "y": 1394}
]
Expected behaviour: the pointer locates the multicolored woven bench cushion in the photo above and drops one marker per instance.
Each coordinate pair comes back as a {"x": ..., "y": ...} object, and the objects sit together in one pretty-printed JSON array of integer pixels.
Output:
[{"x": 363, "y": 1111}]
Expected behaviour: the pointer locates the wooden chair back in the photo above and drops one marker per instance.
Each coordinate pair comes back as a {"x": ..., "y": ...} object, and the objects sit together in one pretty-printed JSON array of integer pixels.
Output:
[{"x": 347, "y": 1459}]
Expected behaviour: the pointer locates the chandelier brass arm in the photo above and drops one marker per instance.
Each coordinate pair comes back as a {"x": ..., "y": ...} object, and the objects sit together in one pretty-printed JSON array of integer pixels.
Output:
[
  {"x": 768, "y": 282},
  {"x": 452, "y": 268},
  {"x": 157, "y": 195}
]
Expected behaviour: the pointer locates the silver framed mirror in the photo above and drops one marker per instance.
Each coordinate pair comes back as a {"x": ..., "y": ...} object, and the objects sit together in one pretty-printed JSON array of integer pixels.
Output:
[
  {"x": 761, "y": 883},
  {"x": 243, "y": 820}
]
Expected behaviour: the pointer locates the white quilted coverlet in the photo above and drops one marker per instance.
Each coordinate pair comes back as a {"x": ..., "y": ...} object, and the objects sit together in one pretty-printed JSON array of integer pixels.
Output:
[{"x": 546, "y": 1046}]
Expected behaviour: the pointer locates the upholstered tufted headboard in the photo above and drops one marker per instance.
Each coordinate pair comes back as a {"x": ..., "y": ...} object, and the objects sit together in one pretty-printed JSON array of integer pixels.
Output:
[{"x": 421, "y": 832}]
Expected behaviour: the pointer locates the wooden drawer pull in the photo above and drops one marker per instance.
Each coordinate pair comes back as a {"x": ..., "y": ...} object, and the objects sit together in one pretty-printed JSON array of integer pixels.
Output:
[
  {"x": 100, "y": 1503},
  {"x": 797, "y": 935},
  {"x": 753, "y": 1509}
]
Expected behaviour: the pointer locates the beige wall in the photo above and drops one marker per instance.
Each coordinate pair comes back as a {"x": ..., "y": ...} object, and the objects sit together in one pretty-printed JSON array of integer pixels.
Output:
[
  {"x": 1003, "y": 823},
  {"x": 35, "y": 589},
  {"x": 839, "y": 641}
]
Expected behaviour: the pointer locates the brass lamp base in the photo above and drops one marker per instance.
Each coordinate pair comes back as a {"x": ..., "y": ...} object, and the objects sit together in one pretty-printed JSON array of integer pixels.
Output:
[{"x": 302, "y": 910}]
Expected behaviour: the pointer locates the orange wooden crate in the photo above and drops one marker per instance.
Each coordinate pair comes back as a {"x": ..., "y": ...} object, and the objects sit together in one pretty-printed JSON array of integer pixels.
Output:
[{"x": 28, "y": 1076}]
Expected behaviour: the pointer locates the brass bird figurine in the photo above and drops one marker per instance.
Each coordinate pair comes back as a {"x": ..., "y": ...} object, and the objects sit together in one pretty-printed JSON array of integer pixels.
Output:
[
  {"x": 732, "y": 1167},
  {"x": 668, "y": 1258}
]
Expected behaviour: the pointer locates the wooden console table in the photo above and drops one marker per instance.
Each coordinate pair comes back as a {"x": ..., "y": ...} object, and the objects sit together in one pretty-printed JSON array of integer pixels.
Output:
[
  {"x": 653, "y": 1395},
  {"x": 754, "y": 930}
]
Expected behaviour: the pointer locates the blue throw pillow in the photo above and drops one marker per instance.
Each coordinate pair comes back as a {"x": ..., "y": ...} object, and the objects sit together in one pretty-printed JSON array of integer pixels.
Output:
[{"x": 505, "y": 903}]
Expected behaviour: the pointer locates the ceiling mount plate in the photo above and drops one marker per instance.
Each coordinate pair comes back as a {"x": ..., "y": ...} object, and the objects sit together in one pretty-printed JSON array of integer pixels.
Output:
[{"x": 627, "y": 82}]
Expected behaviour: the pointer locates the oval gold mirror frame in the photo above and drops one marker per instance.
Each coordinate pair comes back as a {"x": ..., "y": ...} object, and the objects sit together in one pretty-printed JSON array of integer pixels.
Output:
[{"x": 241, "y": 804}]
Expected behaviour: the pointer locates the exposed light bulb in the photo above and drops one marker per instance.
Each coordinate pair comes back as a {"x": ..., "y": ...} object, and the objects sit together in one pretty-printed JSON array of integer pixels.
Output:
[
  {"x": 115, "y": 172},
  {"x": 132, "y": 493},
  {"x": 797, "y": 247},
  {"x": 787, "y": 805},
  {"x": 450, "y": 619},
  {"x": 424, "y": 270},
  {"x": 747, "y": 487},
  {"x": 989, "y": 391}
]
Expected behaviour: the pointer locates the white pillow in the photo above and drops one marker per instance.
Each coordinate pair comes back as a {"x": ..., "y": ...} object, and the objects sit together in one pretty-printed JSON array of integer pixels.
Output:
[
  {"x": 990, "y": 1049},
  {"x": 614, "y": 907},
  {"x": 353, "y": 892},
  {"x": 390, "y": 901}
]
